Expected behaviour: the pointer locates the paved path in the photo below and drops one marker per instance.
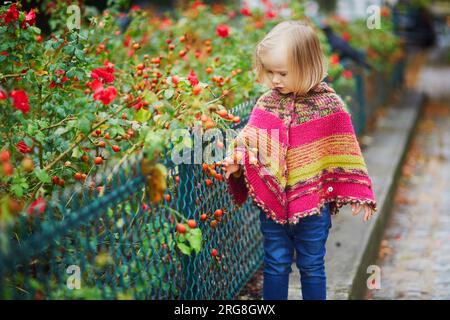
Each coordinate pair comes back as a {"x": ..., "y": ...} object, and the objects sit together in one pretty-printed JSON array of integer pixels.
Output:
[{"x": 415, "y": 253}]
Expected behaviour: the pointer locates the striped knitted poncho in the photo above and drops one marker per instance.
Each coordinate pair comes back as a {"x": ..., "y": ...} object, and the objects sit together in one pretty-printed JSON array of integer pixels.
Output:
[{"x": 298, "y": 153}]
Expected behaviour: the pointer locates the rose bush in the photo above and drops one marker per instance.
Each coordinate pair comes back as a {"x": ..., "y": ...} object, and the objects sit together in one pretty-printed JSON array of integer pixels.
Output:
[{"x": 381, "y": 46}]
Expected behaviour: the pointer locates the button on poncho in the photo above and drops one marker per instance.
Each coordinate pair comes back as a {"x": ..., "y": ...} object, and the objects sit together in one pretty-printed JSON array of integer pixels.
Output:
[{"x": 297, "y": 154}]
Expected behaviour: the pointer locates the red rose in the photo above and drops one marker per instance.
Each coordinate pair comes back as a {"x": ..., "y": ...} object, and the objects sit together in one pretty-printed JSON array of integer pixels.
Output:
[
  {"x": 334, "y": 59},
  {"x": 246, "y": 12},
  {"x": 106, "y": 96},
  {"x": 30, "y": 19},
  {"x": 270, "y": 14},
  {"x": 23, "y": 148},
  {"x": 95, "y": 85},
  {"x": 346, "y": 36},
  {"x": 4, "y": 53},
  {"x": 20, "y": 100},
  {"x": 197, "y": 4},
  {"x": 104, "y": 74},
  {"x": 11, "y": 15},
  {"x": 2, "y": 95},
  {"x": 347, "y": 74},
  {"x": 223, "y": 31},
  {"x": 37, "y": 207},
  {"x": 192, "y": 77}
]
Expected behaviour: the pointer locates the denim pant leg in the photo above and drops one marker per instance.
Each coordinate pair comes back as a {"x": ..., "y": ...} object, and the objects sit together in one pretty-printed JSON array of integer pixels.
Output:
[
  {"x": 310, "y": 235},
  {"x": 278, "y": 258}
]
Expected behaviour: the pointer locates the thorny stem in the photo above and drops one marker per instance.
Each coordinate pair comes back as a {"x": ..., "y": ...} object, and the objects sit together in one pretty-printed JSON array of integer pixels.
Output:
[
  {"x": 78, "y": 140},
  {"x": 3, "y": 76},
  {"x": 58, "y": 124}
]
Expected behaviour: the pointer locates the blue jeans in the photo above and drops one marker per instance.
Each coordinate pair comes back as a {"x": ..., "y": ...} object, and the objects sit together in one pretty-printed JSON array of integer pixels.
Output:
[{"x": 308, "y": 237}]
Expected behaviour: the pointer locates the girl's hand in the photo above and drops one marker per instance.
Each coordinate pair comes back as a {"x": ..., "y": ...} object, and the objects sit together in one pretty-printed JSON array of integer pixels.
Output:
[
  {"x": 356, "y": 208},
  {"x": 229, "y": 167}
]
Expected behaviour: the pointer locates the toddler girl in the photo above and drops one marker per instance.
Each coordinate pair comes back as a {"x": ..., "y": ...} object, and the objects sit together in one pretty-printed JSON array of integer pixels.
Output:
[{"x": 298, "y": 158}]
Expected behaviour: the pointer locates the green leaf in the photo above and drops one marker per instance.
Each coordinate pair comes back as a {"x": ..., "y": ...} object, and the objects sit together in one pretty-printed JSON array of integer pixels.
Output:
[
  {"x": 184, "y": 248},
  {"x": 154, "y": 141},
  {"x": 70, "y": 73},
  {"x": 194, "y": 237},
  {"x": 80, "y": 75},
  {"x": 180, "y": 237},
  {"x": 112, "y": 132},
  {"x": 31, "y": 129},
  {"x": 58, "y": 132},
  {"x": 142, "y": 116},
  {"x": 35, "y": 29},
  {"x": 84, "y": 125},
  {"x": 113, "y": 121},
  {"x": 17, "y": 189},
  {"x": 76, "y": 152},
  {"x": 80, "y": 54},
  {"x": 168, "y": 94},
  {"x": 42, "y": 175},
  {"x": 28, "y": 141},
  {"x": 120, "y": 131},
  {"x": 150, "y": 97}
]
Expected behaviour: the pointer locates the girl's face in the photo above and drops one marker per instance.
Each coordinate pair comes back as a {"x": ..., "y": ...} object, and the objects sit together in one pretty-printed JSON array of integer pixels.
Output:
[{"x": 275, "y": 64}]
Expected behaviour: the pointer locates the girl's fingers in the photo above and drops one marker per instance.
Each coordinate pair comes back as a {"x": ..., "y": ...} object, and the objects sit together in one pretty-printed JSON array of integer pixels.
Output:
[
  {"x": 226, "y": 163},
  {"x": 356, "y": 208},
  {"x": 230, "y": 169},
  {"x": 368, "y": 214},
  {"x": 230, "y": 161}
]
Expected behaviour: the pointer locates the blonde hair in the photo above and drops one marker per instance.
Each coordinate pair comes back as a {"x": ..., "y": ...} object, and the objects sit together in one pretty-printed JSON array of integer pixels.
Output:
[{"x": 305, "y": 58}]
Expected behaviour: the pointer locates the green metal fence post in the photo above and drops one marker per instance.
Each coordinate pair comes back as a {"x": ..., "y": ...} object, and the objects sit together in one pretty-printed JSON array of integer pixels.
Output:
[{"x": 360, "y": 89}]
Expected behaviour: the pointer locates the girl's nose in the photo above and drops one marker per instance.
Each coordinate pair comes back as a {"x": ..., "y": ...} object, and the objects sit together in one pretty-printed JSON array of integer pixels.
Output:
[{"x": 275, "y": 80}]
